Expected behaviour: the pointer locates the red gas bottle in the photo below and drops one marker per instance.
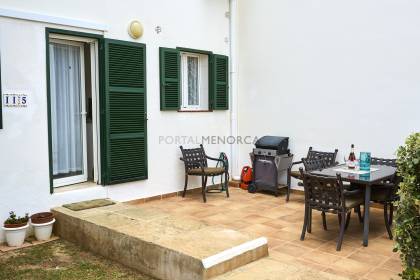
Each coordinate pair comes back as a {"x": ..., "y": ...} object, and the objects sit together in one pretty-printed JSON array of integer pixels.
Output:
[{"x": 246, "y": 177}]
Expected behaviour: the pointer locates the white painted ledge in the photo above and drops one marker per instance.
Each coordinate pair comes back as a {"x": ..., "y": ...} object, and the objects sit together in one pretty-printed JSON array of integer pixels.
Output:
[
  {"x": 233, "y": 252},
  {"x": 52, "y": 19}
]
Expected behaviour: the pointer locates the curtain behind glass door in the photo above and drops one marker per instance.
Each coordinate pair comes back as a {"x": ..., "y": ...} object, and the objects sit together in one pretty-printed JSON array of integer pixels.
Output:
[{"x": 66, "y": 108}]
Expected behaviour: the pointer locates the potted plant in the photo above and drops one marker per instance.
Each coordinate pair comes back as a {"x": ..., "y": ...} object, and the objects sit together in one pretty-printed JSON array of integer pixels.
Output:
[
  {"x": 43, "y": 225},
  {"x": 15, "y": 229}
]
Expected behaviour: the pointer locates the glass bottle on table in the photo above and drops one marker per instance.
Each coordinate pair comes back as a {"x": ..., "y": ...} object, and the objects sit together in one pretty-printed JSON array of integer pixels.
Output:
[{"x": 351, "y": 163}]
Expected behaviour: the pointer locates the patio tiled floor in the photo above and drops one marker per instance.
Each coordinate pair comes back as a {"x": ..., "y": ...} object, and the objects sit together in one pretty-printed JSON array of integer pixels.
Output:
[{"x": 281, "y": 223}]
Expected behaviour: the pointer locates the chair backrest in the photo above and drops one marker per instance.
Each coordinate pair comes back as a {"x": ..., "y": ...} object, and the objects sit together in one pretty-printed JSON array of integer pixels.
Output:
[
  {"x": 392, "y": 193},
  {"x": 383, "y": 161},
  {"x": 194, "y": 157},
  {"x": 313, "y": 164},
  {"x": 323, "y": 193},
  {"x": 328, "y": 157}
]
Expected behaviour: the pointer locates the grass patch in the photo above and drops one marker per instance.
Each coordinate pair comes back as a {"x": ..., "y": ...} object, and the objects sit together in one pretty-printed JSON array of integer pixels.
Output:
[{"x": 61, "y": 260}]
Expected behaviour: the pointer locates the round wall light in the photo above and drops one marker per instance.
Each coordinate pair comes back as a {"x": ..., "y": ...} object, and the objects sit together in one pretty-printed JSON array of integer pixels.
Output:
[{"x": 135, "y": 29}]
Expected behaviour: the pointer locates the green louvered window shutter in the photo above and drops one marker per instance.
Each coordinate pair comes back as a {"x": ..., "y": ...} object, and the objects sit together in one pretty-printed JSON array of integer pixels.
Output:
[
  {"x": 170, "y": 79},
  {"x": 220, "y": 82},
  {"x": 125, "y": 147}
]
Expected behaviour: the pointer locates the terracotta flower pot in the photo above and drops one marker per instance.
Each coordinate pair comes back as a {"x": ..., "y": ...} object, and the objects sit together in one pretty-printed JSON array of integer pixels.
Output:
[{"x": 42, "y": 218}]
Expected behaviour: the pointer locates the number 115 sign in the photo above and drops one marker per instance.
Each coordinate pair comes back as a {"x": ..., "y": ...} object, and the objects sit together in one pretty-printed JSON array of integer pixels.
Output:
[{"x": 15, "y": 100}]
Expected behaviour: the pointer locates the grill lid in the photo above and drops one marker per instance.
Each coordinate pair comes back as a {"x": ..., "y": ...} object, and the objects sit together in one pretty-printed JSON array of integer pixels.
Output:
[{"x": 278, "y": 143}]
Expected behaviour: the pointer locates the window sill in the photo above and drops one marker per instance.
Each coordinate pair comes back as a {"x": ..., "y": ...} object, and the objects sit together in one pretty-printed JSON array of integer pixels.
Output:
[
  {"x": 194, "y": 111},
  {"x": 74, "y": 187}
]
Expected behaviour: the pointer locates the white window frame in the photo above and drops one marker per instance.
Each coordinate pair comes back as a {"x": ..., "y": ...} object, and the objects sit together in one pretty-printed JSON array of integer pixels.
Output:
[
  {"x": 74, "y": 40},
  {"x": 184, "y": 83}
]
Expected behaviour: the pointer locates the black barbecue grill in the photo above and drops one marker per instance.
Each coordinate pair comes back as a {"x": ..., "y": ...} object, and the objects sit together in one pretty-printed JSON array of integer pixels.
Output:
[{"x": 270, "y": 158}]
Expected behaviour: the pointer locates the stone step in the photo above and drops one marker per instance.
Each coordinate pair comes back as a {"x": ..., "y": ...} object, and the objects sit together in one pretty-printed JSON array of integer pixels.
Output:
[{"x": 158, "y": 243}]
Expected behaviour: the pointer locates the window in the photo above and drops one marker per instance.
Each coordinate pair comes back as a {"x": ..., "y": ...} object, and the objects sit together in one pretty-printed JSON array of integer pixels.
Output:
[
  {"x": 193, "y": 80},
  {"x": 195, "y": 90}
]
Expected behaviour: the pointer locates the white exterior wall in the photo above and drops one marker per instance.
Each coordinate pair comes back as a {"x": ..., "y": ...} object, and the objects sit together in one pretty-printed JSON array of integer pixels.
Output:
[
  {"x": 329, "y": 73},
  {"x": 24, "y": 176}
]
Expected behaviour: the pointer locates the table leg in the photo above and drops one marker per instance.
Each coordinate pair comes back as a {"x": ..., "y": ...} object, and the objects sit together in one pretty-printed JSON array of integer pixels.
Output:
[{"x": 366, "y": 218}]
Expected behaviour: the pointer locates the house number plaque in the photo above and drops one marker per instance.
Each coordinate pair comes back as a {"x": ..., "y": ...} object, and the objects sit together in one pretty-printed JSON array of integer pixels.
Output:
[{"x": 19, "y": 100}]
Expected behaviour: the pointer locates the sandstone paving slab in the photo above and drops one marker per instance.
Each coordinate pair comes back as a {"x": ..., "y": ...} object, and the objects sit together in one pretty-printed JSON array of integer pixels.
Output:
[
  {"x": 271, "y": 269},
  {"x": 112, "y": 220},
  {"x": 142, "y": 213},
  {"x": 207, "y": 241},
  {"x": 156, "y": 230}
]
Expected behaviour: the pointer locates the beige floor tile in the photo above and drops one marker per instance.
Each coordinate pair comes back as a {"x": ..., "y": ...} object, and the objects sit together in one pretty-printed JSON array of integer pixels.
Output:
[
  {"x": 279, "y": 256},
  {"x": 393, "y": 264},
  {"x": 352, "y": 266},
  {"x": 331, "y": 246},
  {"x": 297, "y": 230},
  {"x": 261, "y": 229},
  {"x": 277, "y": 223},
  {"x": 312, "y": 265},
  {"x": 342, "y": 273},
  {"x": 320, "y": 257},
  {"x": 382, "y": 274},
  {"x": 285, "y": 235},
  {"x": 237, "y": 224},
  {"x": 326, "y": 235},
  {"x": 362, "y": 256},
  {"x": 294, "y": 218},
  {"x": 292, "y": 249},
  {"x": 310, "y": 242},
  {"x": 256, "y": 219},
  {"x": 218, "y": 218},
  {"x": 379, "y": 248},
  {"x": 274, "y": 242}
]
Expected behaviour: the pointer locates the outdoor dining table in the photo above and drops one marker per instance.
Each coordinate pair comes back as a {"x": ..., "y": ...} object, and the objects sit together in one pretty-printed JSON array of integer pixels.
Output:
[{"x": 368, "y": 179}]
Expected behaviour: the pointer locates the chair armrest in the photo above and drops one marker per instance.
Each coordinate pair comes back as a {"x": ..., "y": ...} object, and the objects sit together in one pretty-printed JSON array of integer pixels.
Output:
[
  {"x": 218, "y": 160},
  {"x": 215, "y": 159},
  {"x": 294, "y": 163},
  {"x": 297, "y": 162},
  {"x": 291, "y": 166}
]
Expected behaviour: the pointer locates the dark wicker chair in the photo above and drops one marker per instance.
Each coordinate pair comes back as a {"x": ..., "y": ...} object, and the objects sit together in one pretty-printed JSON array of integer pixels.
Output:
[
  {"x": 311, "y": 165},
  {"x": 329, "y": 159},
  {"x": 328, "y": 195},
  {"x": 195, "y": 161},
  {"x": 319, "y": 164},
  {"x": 385, "y": 193}
]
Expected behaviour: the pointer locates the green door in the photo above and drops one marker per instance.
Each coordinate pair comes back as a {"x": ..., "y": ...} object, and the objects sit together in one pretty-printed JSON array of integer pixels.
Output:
[{"x": 123, "y": 114}]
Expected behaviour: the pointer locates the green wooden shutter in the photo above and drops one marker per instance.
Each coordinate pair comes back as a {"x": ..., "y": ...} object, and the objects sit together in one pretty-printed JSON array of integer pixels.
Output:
[
  {"x": 124, "y": 114},
  {"x": 220, "y": 82},
  {"x": 170, "y": 79},
  {"x": 1, "y": 102}
]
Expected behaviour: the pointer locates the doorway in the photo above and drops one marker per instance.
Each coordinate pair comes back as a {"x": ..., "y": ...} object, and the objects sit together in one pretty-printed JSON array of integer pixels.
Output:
[{"x": 73, "y": 77}]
